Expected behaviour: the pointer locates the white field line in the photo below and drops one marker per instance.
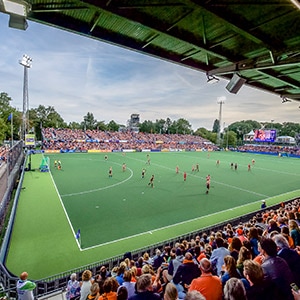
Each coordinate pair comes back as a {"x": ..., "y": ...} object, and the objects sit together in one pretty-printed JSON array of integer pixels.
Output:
[{"x": 174, "y": 225}]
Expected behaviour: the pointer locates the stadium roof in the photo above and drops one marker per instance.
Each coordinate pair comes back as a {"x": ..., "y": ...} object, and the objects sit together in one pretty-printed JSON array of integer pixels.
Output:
[{"x": 258, "y": 40}]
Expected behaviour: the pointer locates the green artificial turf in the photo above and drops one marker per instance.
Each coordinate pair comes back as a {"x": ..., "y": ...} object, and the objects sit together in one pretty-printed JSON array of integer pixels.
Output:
[{"x": 123, "y": 213}]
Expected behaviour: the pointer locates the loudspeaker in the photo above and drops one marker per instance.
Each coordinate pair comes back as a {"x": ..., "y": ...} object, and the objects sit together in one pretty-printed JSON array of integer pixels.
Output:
[{"x": 235, "y": 83}]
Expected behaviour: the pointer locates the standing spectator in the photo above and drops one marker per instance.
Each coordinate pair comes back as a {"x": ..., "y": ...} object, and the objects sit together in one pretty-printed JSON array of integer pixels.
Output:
[
  {"x": 276, "y": 269},
  {"x": 289, "y": 255},
  {"x": 73, "y": 288},
  {"x": 207, "y": 284},
  {"x": 85, "y": 284},
  {"x": 217, "y": 256},
  {"x": 25, "y": 287}
]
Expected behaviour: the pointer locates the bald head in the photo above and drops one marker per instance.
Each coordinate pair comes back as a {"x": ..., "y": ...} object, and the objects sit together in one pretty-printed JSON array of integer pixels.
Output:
[
  {"x": 24, "y": 276},
  {"x": 205, "y": 265}
]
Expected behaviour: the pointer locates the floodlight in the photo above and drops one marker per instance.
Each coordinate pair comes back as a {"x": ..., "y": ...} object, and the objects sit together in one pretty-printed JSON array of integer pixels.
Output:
[
  {"x": 235, "y": 83},
  {"x": 17, "y": 11},
  {"x": 212, "y": 79}
]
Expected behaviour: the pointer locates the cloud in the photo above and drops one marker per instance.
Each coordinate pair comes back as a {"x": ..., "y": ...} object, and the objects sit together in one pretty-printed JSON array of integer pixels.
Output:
[{"x": 76, "y": 75}]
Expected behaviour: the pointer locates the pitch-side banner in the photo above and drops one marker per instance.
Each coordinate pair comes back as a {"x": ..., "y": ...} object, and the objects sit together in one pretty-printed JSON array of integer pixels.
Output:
[{"x": 29, "y": 140}]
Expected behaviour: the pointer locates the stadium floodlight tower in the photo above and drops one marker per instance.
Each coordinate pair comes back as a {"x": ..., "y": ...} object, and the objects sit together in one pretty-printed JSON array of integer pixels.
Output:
[
  {"x": 221, "y": 101},
  {"x": 26, "y": 62}
]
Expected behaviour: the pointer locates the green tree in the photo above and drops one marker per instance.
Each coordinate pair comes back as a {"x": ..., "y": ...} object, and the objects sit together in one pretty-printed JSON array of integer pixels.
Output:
[
  {"x": 45, "y": 117},
  {"x": 100, "y": 125},
  {"x": 147, "y": 126},
  {"x": 89, "y": 122},
  {"x": 181, "y": 126},
  {"x": 113, "y": 126},
  {"x": 3, "y": 130},
  {"x": 290, "y": 129},
  {"x": 216, "y": 126},
  {"x": 229, "y": 139},
  {"x": 74, "y": 125},
  {"x": 160, "y": 126},
  {"x": 203, "y": 132}
]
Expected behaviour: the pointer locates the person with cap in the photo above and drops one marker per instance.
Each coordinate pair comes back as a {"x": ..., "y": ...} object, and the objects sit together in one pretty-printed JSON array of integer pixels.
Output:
[
  {"x": 25, "y": 287},
  {"x": 209, "y": 285},
  {"x": 263, "y": 204}
]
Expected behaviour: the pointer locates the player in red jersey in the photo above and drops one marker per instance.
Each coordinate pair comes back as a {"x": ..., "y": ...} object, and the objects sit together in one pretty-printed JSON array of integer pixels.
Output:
[{"x": 184, "y": 176}]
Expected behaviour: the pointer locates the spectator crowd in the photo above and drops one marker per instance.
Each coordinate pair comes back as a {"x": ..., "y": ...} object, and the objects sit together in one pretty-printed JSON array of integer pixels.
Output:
[
  {"x": 259, "y": 259},
  {"x": 77, "y": 139}
]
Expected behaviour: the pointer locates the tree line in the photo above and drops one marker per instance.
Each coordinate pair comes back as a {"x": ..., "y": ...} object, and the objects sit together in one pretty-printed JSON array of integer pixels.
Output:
[{"x": 48, "y": 117}]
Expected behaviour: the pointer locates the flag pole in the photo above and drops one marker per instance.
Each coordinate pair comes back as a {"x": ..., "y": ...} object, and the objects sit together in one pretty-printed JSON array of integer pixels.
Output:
[{"x": 11, "y": 129}]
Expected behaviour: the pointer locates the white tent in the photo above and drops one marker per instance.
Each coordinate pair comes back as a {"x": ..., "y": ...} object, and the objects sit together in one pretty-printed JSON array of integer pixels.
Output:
[{"x": 285, "y": 139}]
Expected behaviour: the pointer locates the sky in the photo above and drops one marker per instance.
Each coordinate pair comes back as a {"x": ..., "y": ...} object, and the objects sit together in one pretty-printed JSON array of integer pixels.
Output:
[{"x": 77, "y": 75}]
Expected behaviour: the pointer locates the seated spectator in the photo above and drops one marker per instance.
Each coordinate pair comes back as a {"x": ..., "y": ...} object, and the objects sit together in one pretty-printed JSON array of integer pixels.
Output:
[
  {"x": 170, "y": 292},
  {"x": 100, "y": 278},
  {"x": 235, "y": 247},
  {"x": 144, "y": 289},
  {"x": 157, "y": 260},
  {"x": 110, "y": 289},
  {"x": 128, "y": 284},
  {"x": 209, "y": 285},
  {"x": 122, "y": 293},
  {"x": 244, "y": 254},
  {"x": 254, "y": 239},
  {"x": 230, "y": 269},
  {"x": 185, "y": 273},
  {"x": 94, "y": 292},
  {"x": 73, "y": 288},
  {"x": 194, "y": 295},
  {"x": 173, "y": 265},
  {"x": 234, "y": 290},
  {"x": 258, "y": 288}
]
